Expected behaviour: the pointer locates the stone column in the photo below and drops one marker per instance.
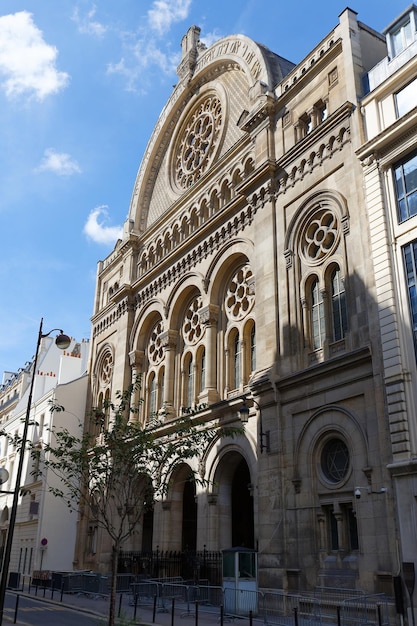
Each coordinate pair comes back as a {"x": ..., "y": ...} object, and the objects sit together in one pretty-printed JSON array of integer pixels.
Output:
[
  {"x": 212, "y": 539},
  {"x": 340, "y": 531},
  {"x": 322, "y": 528},
  {"x": 209, "y": 316},
  {"x": 136, "y": 363},
  {"x": 169, "y": 342}
]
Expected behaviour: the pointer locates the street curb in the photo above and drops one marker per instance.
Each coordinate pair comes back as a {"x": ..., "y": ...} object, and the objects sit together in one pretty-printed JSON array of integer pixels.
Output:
[{"x": 71, "y": 607}]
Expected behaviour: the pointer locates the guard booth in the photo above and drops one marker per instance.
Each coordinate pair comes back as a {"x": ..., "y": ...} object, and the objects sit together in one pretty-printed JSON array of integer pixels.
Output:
[{"x": 240, "y": 581}]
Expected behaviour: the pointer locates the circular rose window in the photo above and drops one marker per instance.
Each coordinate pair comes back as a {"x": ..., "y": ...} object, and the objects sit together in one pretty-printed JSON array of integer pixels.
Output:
[
  {"x": 192, "y": 328},
  {"x": 107, "y": 369},
  {"x": 320, "y": 237},
  {"x": 240, "y": 297},
  {"x": 197, "y": 142},
  {"x": 155, "y": 348},
  {"x": 335, "y": 460}
]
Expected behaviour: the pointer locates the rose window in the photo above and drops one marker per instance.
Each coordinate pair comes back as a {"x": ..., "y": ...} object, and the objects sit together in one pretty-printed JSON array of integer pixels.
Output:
[
  {"x": 155, "y": 348},
  {"x": 335, "y": 460},
  {"x": 192, "y": 329},
  {"x": 198, "y": 142},
  {"x": 240, "y": 297},
  {"x": 320, "y": 236},
  {"x": 107, "y": 369}
]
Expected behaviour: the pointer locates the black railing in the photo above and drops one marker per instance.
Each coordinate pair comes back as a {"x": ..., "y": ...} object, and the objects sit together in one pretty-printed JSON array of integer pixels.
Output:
[{"x": 188, "y": 565}]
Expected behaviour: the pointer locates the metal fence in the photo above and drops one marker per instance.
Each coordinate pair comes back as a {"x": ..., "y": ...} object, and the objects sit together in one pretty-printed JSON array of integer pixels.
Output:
[
  {"x": 321, "y": 607},
  {"x": 88, "y": 583},
  {"x": 187, "y": 565},
  {"x": 367, "y": 609}
]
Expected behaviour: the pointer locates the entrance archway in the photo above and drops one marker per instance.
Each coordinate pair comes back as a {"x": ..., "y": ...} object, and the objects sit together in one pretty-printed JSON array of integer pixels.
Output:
[
  {"x": 242, "y": 508},
  {"x": 181, "y": 514},
  {"x": 235, "y": 510},
  {"x": 189, "y": 517}
]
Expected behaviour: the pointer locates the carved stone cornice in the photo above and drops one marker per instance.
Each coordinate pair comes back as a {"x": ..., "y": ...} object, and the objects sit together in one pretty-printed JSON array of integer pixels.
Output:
[
  {"x": 218, "y": 238},
  {"x": 109, "y": 316},
  {"x": 387, "y": 145}
]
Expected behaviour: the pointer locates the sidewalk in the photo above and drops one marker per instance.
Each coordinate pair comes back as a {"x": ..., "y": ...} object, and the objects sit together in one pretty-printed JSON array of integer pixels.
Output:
[{"x": 146, "y": 614}]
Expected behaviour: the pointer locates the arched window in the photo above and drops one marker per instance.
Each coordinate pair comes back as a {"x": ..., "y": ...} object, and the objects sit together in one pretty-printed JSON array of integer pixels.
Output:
[
  {"x": 202, "y": 371},
  {"x": 236, "y": 361},
  {"x": 152, "y": 391},
  {"x": 97, "y": 417},
  {"x": 339, "y": 313},
  {"x": 107, "y": 409},
  {"x": 252, "y": 348},
  {"x": 318, "y": 331},
  {"x": 338, "y": 516},
  {"x": 189, "y": 384},
  {"x": 161, "y": 387}
]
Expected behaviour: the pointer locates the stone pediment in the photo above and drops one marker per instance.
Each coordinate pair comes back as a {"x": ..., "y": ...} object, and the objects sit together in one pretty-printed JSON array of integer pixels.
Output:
[{"x": 199, "y": 124}]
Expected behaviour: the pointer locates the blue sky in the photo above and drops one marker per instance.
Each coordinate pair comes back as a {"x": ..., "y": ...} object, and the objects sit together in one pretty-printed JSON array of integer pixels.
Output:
[{"x": 81, "y": 87}]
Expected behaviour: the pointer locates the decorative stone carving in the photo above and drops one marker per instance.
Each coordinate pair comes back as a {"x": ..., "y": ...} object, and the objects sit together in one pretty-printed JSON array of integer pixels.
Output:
[
  {"x": 240, "y": 297},
  {"x": 197, "y": 142},
  {"x": 168, "y": 339},
  {"x": 155, "y": 348},
  {"x": 136, "y": 359},
  {"x": 320, "y": 236},
  {"x": 209, "y": 314},
  {"x": 106, "y": 370},
  {"x": 192, "y": 329}
]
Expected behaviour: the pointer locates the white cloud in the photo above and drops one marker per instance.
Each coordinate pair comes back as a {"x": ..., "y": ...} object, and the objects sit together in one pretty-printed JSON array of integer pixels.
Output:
[
  {"x": 166, "y": 12},
  {"x": 210, "y": 38},
  {"x": 98, "y": 231},
  {"x": 143, "y": 50},
  {"x": 59, "y": 163},
  {"x": 27, "y": 62},
  {"x": 87, "y": 25},
  {"x": 142, "y": 55}
]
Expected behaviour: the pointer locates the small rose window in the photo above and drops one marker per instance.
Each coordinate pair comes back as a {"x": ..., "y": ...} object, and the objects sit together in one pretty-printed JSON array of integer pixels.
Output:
[{"x": 335, "y": 460}]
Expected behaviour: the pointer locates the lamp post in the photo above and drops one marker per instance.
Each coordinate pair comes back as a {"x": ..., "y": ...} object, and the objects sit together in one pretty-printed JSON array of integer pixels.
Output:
[
  {"x": 62, "y": 341},
  {"x": 244, "y": 415}
]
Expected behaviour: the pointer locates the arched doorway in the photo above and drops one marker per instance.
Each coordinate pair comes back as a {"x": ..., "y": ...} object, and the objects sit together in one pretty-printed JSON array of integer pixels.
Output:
[
  {"x": 147, "y": 532},
  {"x": 242, "y": 507},
  {"x": 148, "y": 518},
  {"x": 235, "y": 509},
  {"x": 181, "y": 513},
  {"x": 189, "y": 517}
]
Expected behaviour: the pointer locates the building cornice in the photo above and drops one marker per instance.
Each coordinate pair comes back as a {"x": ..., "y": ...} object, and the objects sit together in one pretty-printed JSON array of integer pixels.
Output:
[{"x": 390, "y": 139}]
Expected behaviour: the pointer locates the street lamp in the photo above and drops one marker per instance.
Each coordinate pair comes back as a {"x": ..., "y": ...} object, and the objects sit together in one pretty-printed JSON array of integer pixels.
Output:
[
  {"x": 263, "y": 436},
  {"x": 62, "y": 342}
]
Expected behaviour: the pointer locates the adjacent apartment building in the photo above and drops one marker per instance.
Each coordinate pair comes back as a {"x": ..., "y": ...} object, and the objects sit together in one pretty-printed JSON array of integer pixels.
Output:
[
  {"x": 389, "y": 161},
  {"x": 269, "y": 262},
  {"x": 45, "y": 529}
]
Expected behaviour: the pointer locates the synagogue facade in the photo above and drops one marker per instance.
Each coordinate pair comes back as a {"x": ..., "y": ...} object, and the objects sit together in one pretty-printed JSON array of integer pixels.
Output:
[{"x": 245, "y": 278}]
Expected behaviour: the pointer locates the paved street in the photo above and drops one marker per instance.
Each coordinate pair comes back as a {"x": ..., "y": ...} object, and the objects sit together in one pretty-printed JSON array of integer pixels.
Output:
[
  {"x": 34, "y": 612},
  {"x": 84, "y": 610}
]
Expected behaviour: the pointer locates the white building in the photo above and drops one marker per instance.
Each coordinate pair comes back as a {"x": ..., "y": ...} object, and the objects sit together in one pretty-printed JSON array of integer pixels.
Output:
[
  {"x": 44, "y": 534},
  {"x": 389, "y": 159}
]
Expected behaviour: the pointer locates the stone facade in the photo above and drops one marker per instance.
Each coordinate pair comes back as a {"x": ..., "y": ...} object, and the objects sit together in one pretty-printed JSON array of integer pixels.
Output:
[{"x": 246, "y": 274}]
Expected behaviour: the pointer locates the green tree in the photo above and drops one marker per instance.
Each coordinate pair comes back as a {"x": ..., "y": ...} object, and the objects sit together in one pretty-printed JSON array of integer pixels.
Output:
[{"x": 112, "y": 478}]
